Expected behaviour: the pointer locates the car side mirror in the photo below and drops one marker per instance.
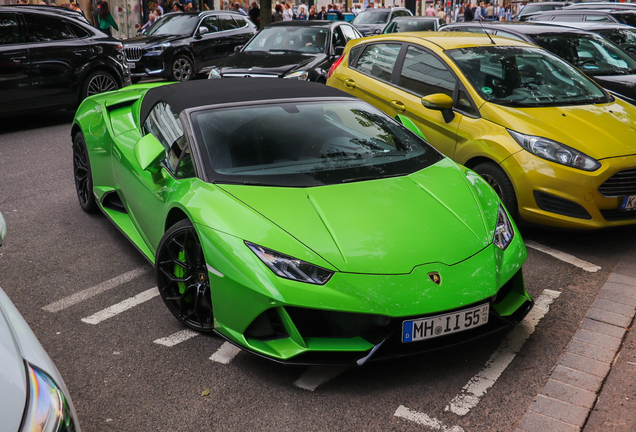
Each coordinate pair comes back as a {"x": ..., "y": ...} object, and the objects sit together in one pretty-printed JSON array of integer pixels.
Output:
[
  {"x": 149, "y": 153},
  {"x": 408, "y": 123},
  {"x": 339, "y": 50},
  {"x": 203, "y": 30},
  {"x": 441, "y": 102},
  {"x": 238, "y": 48}
]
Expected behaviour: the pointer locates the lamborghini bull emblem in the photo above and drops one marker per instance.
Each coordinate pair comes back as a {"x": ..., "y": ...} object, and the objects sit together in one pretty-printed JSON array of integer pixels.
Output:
[{"x": 435, "y": 277}]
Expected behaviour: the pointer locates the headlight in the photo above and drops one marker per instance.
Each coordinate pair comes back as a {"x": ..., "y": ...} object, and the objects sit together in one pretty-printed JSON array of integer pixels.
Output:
[
  {"x": 555, "y": 152},
  {"x": 47, "y": 409},
  {"x": 503, "y": 231},
  {"x": 289, "y": 267},
  {"x": 157, "y": 49},
  {"x": 214, "y": 73},
  {"x": 300, "y": 75}
]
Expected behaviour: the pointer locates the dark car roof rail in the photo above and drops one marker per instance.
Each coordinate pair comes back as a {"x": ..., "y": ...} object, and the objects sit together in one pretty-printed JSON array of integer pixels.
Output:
[{"x": 54, "y": 9}]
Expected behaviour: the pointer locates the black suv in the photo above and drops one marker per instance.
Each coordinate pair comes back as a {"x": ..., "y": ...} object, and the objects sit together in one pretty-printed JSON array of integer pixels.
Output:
[
  {"x": 373, "y": 21},
  {"x": 181, "y": 45},
  {"x": 51, "y": 57}
]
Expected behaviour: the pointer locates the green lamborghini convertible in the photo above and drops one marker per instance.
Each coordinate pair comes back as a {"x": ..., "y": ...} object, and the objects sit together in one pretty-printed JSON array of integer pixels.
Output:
[{"x": 298, "y": 222}]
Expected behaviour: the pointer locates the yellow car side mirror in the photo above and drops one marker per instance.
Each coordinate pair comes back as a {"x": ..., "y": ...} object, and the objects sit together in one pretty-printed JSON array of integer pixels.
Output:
[{"x": 437, "y": 101}]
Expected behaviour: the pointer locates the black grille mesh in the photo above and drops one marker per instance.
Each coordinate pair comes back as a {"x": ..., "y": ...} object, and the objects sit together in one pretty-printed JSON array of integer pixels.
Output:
[
  {"x": 554, "y": 204},
  {"x": 620, "y": 184}
]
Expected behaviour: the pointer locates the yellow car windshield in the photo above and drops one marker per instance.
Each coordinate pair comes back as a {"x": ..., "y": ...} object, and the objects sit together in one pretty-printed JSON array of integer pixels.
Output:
[{"x": 515, "y": 76}]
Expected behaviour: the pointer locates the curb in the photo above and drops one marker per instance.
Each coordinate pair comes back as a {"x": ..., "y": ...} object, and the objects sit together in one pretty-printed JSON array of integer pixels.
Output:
[{"x": 565, "y": 402}]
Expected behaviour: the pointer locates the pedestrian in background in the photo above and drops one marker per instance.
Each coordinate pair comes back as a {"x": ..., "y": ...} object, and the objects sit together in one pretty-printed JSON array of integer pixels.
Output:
[
  {"x": 255, "y": 14},
  {"x": 322, "y": 15},
  {"x": 278, "y": 14},
  {"x": 303, "y": 4},
  {"x": 303, "y": 13},
  {"x": 288, "y": 14},
  {"x": 105, "y": 19},
  {"x": 468, "y": 13},
  {"x": 313, "y": 15}
]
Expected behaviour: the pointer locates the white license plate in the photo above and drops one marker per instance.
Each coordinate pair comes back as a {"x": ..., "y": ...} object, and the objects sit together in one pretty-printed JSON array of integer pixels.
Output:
[
  {"x": 629, "y": 203},
  {"x": 440, "y": 325},
  {"x": 131, "y": 65}
]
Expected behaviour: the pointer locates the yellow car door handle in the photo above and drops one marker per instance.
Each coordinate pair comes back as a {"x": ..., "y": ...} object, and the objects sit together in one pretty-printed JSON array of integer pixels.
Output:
[
  {"x": 399, "y": 106},
  {"x": 350, "y": 83}
]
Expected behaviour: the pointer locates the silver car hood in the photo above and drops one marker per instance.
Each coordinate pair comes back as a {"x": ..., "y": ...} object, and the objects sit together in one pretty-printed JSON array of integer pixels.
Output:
[{"x": 13, "y": 384}]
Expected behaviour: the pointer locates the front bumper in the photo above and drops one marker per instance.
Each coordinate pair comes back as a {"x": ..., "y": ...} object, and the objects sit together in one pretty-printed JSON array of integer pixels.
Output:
[
  {"x": 560, "y": 196},
  {"x": 149, "y": 66},
  {"x": 357, "y": 317}
]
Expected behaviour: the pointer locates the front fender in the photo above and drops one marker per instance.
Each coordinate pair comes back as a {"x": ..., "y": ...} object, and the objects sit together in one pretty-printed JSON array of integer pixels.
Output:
[{"x": 480, "y": 138}]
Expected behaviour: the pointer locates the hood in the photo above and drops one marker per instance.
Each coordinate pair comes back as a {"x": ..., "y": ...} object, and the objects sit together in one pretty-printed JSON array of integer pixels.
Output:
[
  {"x": 600, "y": 131},
  {"x": 369, "y": 28},
  {"x": 267, "y": 63},
  {"x": 13, "y": 390},
  {"x": 623, "y": 86},
  {"x": 146, "y": 40},
  {"x": 386, "y": 226}
]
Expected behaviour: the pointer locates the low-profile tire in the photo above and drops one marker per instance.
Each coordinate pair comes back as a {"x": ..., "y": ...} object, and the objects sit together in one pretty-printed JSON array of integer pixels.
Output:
[
  {"x": 499, "y": 181},
  {"x": 83, "y": 175},
  {"x": 98, "y": 82},
  {"x": 182, "y": 69},
  {"x": 182, "y": 277}
]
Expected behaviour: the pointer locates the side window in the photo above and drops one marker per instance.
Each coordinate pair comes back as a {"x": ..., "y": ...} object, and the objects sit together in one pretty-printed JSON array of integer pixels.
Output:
[
  {"x": 240, "y": 21},
  {"x": 9, "y": 32},
  {"x": 378, "y": 60},
  {"x": 423, "y": 74},
  {"x": 506, "y": 35},
  {"x": 45, "y": 28},
  {"x": 165, "y": 125},
  {"x": 349, "y": 32},
  {"x": 465, "y": 104},
  {"x": 211, "y": 23},
  {"x": 353, "y": 54},
  {"x": 79, "y": 31},
  {"x": 601, "y": 18},
  {"x": 566, "y": 18},
  {"x": 227, "y": 22},
  {"x": 339, "y": 39}
]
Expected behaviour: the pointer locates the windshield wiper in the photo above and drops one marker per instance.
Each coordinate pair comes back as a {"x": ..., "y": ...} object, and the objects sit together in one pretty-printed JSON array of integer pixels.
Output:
[{"x": 282, "y": 50}]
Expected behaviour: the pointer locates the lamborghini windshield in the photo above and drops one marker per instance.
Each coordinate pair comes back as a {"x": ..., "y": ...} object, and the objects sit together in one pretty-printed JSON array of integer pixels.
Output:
[
  {"x": 306, "y": 144},
  {"x": 174, "y": 24},
  {"x": 515, "y": 76},
  {"x": 289, "y": 39}
]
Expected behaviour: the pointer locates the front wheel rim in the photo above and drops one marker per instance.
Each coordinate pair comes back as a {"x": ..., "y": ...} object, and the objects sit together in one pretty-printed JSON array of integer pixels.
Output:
[
  {"x": 99, "y": 84},
  {"x": 493, "y": 184},
  {"x": 81, "y": 172},
  {"x": 182, "y": 69},
  {"x": 183, "y": 279}
]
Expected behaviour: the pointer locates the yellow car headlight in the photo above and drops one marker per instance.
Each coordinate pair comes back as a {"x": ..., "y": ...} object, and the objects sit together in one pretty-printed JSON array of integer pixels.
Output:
[{"x": 555, "y": 152}]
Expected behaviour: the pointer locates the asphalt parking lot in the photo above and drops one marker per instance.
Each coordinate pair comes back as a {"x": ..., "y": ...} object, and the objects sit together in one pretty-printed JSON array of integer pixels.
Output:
[{"x": 89, "y": 296}]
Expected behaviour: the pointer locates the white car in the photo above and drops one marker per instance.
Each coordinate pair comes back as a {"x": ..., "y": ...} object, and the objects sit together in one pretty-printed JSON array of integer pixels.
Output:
[{"x": 33, "y": 396}]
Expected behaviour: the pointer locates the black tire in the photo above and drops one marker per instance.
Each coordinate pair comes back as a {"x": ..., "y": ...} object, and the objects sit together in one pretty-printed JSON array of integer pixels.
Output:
[
  {"x": 499, "y": 181},
  {"x": 182, "y": 277},
  {"x": 182, "y": 69},
  {"x": 98, "y": 82},
  {"x": 83, "y": 175}
]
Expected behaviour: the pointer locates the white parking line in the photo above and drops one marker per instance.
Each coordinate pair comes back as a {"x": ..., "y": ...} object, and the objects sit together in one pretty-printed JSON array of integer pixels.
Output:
[
  {"x": 177, "y": 338},
  {"x": 317, "y": 375},
  {"x": 571, "y": 259},
  {"x": 225, "y": 353},
  {"x": 93, "y": 291},
  {"x": 477, "y": 387},
  {"x": 120, "y": 307},
  {"x": 424, "y": 420}
]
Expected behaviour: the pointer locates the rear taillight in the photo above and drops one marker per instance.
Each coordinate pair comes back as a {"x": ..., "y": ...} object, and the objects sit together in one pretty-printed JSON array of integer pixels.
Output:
[{"x": 335, "y": 66}]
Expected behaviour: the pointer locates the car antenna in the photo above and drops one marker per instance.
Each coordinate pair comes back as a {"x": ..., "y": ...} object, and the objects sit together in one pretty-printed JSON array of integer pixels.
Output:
[{"x": 487, "y": 34}]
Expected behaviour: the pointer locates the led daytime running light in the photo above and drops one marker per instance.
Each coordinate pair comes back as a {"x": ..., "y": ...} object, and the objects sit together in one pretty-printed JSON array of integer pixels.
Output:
[
  {"x": 289, "y": 267},
  {"x": 504, "y": 233}
]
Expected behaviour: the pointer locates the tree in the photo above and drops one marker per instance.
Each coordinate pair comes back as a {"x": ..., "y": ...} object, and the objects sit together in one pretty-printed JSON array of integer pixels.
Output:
[{"x": 266, "y": 12}]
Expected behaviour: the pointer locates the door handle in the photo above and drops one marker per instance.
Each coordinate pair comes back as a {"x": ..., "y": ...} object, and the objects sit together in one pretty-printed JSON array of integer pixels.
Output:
[
  {"x": 79, "y": 52},
  {"x": 398, "y": 106},
  {"x": 349, "y": 83},
  {"x": 17, "y": 59}
]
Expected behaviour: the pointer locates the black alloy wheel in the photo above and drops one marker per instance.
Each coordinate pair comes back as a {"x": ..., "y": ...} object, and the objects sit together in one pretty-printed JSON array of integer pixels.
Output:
[
  {"x": 499, "y": 181},
  {"x": 182, "y": 277},
  {"x": 83, "y": 175},
  {"x": 182, "y": 69},
  {"x": 98, "y": 82}
]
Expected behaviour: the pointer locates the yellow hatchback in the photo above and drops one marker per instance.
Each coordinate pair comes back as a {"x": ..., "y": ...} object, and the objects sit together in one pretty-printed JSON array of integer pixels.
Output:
[{"x": 555, "y": 146}]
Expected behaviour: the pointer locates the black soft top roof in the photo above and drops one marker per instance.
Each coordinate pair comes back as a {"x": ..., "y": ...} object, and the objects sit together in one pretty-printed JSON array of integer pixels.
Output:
[{"x": 190, "y": 94}]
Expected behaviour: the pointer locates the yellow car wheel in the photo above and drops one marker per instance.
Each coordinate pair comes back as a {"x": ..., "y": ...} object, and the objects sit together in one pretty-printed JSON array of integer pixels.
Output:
[{"x": 499, "y": 181}]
